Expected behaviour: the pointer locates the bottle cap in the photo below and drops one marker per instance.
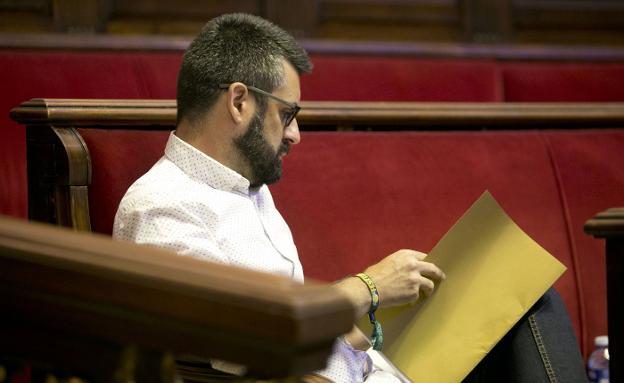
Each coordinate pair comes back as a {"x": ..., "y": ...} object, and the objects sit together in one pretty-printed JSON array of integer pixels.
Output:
[{"x": 601, "y": 341}]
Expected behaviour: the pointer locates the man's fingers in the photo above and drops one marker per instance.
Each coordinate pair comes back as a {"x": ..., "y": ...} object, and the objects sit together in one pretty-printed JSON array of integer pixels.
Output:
[
  {"x": 420, "y": 256},
  {"x": 431, "y": 271},
  {"x": 427, "y": 286}
]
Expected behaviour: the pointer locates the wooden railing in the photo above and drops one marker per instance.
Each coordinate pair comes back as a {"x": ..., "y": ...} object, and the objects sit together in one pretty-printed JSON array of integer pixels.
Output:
[
  {"x": 113, "y": 311},
  {"x": 315, "y": 115}
]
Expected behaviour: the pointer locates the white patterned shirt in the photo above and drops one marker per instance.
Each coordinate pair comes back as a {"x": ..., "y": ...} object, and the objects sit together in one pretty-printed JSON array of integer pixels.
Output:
[{"x": 192, "y": 204}]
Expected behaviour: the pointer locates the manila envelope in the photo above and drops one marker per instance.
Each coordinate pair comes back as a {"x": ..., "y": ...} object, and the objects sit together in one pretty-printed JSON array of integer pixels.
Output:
[{"x": 494, "y": 274}]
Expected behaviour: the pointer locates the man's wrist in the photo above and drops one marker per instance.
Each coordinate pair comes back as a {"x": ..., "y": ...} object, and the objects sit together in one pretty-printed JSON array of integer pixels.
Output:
[{"x": 357, "y": 292}]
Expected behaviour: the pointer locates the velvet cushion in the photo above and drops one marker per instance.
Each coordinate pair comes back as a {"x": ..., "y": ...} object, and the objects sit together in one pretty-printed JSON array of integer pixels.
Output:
[
  {"x": 373, "y": 78},
  {"x": 118, "y": 158},
  {"x": 588, "y": 166},
  {"x": 571, "y": 82},
  {"x": 352, "y": 198},
  {"x": 59, "y": 74}
]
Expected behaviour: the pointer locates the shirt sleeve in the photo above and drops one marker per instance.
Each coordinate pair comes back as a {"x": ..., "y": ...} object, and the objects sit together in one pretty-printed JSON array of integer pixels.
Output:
[
  {"x": 346, "y": 364},
  {"x": 169, "y": 226}
]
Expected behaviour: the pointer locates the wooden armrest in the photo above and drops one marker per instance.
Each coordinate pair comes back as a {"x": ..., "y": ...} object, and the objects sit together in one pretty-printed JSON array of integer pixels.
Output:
[{"x": 84, "y": 301}]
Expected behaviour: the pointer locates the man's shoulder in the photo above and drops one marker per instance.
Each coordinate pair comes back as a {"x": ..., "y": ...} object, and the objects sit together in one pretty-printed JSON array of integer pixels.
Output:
[{"x": 163, "y": 183}]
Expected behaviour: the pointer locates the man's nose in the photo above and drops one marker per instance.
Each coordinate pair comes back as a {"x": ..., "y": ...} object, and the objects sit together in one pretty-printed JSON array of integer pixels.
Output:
[{"x": 291, "y": 132}]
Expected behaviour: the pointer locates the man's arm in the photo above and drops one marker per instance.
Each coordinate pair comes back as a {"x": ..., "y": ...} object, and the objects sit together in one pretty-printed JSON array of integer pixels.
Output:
[{"x": 401, "y": 278}]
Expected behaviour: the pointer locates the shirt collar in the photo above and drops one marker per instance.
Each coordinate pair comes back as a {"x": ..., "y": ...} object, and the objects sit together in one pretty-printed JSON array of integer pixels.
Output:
[{"x": 204, "y": 168}]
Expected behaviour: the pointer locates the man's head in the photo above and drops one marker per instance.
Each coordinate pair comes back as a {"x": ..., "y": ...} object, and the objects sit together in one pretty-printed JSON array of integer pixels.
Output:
[{"x": 234, "y": 61}]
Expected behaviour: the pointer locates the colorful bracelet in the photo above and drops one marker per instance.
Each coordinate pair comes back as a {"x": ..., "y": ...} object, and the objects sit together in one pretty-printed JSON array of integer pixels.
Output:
[{"x": 377, "y": 335}]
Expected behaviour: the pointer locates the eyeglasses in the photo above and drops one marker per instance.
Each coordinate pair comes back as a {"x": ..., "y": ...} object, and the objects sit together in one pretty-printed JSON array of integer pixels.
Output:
[{"x": 287, "y": 115}]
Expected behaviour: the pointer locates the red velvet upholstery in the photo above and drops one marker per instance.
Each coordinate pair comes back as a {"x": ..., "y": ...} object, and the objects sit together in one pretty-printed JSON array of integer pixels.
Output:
[
  {"x": 118, "y": 158},
  {"x": 26, "y": 75},
  {"x": 352, "y": 198},
  {"x": 570, "y": 82},
  {"x": 589, "y": 183},
  {"x": 108, "y": 74},
  {"x": 354, "y": 78}
]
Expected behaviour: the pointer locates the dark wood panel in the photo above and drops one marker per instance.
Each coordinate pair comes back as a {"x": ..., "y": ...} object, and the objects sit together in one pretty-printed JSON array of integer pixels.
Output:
[
  {"x": 24, "y": 5},
  {"x": 184, "y": 17},
  {"x": 26, "y": 16},
  {"x": 451, "y": 21},
  {"x": 569, "y": 21},
  {"x": 432, "y": 20},
  {"x": 487, "y": 21}
]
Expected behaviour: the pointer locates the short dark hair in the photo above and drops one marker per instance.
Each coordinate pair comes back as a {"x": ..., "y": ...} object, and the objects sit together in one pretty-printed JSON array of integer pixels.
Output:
[{"x": 230, "y": 48}]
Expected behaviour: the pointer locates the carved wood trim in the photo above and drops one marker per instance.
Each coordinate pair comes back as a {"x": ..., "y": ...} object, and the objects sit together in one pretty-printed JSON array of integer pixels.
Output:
[{"x": 59, "y": 173}]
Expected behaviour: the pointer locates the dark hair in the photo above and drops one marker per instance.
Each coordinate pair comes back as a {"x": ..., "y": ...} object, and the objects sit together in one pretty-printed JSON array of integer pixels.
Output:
[{"x": 230, "y": 48}]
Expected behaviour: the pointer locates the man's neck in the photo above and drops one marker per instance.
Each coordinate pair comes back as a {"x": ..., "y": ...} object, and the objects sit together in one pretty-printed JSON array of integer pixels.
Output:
[{"x": 217, "y": 146}]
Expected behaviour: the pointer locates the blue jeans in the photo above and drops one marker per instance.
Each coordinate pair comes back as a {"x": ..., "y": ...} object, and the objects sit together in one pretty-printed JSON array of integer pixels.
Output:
[{"x": 541, "y": 347}]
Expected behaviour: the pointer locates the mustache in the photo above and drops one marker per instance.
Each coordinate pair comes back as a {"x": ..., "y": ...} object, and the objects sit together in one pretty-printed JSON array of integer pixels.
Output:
[{"x": 283, "y": 149}]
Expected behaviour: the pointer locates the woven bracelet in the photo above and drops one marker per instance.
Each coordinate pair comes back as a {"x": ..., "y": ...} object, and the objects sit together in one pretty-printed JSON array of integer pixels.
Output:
[{"x": 377, "y": 335}]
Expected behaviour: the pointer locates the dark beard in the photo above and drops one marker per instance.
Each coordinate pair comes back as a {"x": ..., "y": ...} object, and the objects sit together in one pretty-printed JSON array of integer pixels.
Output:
[{"x": 265, "y": 163}]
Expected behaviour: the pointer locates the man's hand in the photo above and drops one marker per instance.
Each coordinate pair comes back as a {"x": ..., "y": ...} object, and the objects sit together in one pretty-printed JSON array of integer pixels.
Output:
[{"x": 401, "y": 278}]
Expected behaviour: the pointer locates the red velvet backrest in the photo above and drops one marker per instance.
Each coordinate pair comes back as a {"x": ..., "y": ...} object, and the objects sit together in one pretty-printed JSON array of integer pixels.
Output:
[
  {"x": 65, "y": 74},
  {"x": 118, "y": 158},
  {"x": 352, "y": 198},
  {"x": 571, "y": 82},
  {"x": 374, "y": 78},
  {"x": 589, "y": 168}
]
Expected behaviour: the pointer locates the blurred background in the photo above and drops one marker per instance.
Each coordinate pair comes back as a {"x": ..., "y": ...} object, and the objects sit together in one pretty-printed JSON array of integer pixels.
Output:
[{"x": 567, "y": 22}]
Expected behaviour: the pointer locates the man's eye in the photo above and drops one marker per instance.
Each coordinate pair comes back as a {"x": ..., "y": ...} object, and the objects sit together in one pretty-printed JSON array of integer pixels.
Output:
[{"x": 286, "y": 116}]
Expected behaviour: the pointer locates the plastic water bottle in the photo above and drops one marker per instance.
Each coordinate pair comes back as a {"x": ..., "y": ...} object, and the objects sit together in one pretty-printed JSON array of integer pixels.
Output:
[{"x": 598, "y": 363}]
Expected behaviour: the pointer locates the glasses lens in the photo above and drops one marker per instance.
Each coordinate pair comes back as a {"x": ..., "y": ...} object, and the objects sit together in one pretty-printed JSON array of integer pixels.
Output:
[{"x": 290, "y": 116}]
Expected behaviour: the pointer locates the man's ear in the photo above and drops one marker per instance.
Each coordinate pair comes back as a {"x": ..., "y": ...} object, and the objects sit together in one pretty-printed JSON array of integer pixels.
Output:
[{"x": 239, "y": 103}]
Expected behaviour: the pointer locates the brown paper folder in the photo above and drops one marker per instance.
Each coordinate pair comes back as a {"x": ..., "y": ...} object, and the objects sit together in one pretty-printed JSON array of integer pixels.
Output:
[{"x": 486, "y": 258}]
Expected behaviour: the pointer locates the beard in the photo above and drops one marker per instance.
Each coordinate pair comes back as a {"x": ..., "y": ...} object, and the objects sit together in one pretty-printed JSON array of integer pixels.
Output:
[{"x": 264, "y": 161}]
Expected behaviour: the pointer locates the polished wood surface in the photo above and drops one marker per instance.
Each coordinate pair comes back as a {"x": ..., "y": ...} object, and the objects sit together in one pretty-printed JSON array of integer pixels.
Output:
[
  {"x": 83, "y": 301},
  {"x": 334, "y": 114},
  {"x": 610, "y": 226}
]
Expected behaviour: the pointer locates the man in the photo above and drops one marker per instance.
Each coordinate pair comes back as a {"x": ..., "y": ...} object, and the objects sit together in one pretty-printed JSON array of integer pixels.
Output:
[{"x": 238, "y": 90}]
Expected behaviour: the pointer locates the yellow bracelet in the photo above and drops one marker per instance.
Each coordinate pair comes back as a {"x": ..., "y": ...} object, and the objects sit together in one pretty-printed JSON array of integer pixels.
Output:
[{"x": 377, "y": 335}]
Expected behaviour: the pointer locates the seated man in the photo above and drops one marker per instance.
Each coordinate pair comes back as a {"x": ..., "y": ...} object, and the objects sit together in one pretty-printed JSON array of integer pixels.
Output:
[{"x": 207, "y": 197}]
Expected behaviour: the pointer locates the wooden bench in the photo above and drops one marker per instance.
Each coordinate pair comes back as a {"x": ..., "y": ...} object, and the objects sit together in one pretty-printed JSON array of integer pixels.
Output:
[{"x": 368, "y": 178}]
